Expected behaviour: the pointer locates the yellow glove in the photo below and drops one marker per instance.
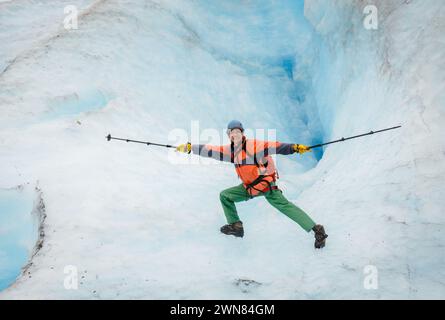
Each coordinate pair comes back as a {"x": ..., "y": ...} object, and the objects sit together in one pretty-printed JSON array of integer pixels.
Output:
[
  {"x": 300, "y": 148},
  {"x": 186, "y": 148}
]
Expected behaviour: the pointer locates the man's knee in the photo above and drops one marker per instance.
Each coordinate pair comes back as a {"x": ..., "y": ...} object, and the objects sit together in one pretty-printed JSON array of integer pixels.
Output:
[{"x": 223, "y": 195}]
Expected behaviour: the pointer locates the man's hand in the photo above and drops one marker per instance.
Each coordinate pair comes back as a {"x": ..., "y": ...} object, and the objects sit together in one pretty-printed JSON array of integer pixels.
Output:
[
  {"x": 186, "y": 148},
  {"x": 300, "y": 148}
]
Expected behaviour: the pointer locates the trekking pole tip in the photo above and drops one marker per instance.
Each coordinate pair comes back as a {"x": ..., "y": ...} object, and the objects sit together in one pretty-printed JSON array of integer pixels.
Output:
[{"x": 108, "y": 137}]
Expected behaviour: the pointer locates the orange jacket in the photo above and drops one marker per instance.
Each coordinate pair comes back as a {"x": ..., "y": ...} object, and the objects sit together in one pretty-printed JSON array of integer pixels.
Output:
[{"x": 252, "y": 160}]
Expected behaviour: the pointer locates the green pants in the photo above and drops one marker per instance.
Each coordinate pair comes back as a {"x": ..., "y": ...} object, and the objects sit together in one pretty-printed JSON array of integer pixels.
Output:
[{"x": 275, "y": 197}]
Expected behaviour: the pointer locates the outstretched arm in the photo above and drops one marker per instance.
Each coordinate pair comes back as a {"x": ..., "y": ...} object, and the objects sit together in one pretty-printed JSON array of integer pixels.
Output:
[
  {"x": 264, "y": 148},
  {"x": 221, "y": 153}
]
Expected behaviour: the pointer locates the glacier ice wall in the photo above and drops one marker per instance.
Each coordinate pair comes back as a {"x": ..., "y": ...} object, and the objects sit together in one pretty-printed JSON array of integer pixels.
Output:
[
  {"x": 136, "y": 225},
  {"x": 387, "y": 195}
]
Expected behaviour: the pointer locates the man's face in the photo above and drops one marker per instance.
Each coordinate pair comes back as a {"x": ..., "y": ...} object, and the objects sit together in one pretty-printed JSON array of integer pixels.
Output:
[{"x": 236, "y": 136}]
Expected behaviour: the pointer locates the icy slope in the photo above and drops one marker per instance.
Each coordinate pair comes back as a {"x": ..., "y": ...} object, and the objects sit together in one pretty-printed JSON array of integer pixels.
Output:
[
  {"x": 136, "y": 224},
  {"x": 384, "y": 194}
]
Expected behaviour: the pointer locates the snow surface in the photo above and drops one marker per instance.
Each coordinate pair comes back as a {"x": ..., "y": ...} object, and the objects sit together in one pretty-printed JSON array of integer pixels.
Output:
[{"x": 142, "y": 222}]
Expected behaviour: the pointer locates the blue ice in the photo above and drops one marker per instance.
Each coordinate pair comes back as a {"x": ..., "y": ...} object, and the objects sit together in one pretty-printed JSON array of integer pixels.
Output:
[{"x": 18, "y": 233}]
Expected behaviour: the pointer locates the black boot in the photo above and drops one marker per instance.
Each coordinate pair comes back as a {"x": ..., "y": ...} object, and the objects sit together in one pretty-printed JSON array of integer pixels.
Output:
[
  {"x": 320, "y": 236},
  {"x": 234, "y": 229}
]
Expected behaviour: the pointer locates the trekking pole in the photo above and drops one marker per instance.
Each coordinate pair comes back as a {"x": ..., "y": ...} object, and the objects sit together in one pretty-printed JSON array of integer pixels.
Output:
[
  {"x": 353, "y": 137},
  {"x": 109, "y": 137}
]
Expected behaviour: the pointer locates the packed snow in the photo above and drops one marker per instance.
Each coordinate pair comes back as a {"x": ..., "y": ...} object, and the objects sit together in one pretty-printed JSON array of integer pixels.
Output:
[{"x": 130, "y": 221}]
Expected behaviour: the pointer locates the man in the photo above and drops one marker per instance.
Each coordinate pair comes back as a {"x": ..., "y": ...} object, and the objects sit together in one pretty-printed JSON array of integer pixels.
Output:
[{"x": 256, "y": 168}]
